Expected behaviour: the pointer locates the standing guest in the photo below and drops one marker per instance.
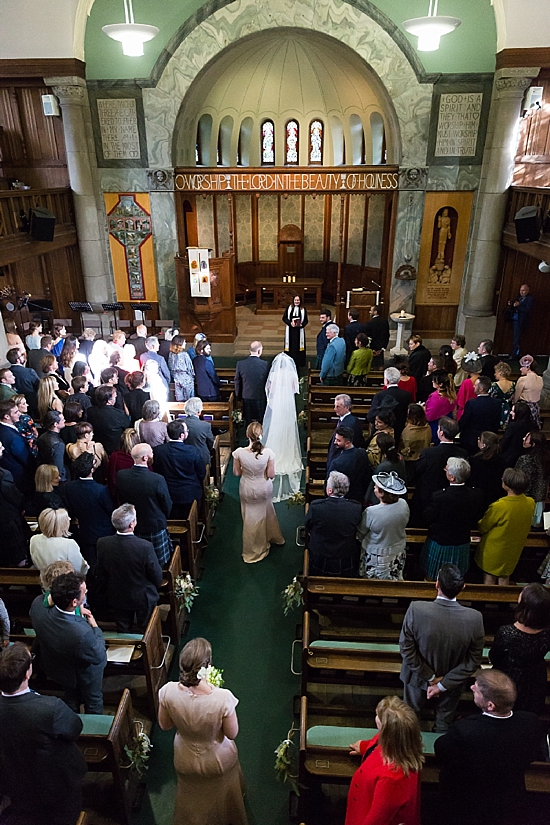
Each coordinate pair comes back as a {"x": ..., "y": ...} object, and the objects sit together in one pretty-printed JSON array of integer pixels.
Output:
[
  {"x": 378, "y": 330},
  {"x": 425, "y": 385},
  {"x": 118, "y": 341},
  {"x": 504, "y": 529},
  {"x": 480, "y": 413},
  {"x": 458, "y": 346},
  {"x": 199, "y": 432},
  {"x": 148, "y": 492},
  {"x": 53, "y": 543},
  {"x": 51, "y": 447},
  {"x": 419, "y": 356},
  {"x": 325, "y": 318},
  {"x": 489, "y": 361},
  {"x": 115, "y": 362},
  {"x": 91, "y": 505},
  {"x": 406, "y": 382},
  {"x": 121, "y": 459},
  {"x": 352, "y": 462},
  {"x": 109, "y": 377},
  {"x": 73, "y": 414},
  {"x": 210, "y": 783},
  {"x": 86, "y": 343},
  {"x": 385, "y": 789},
  {"x": 519, "y": 424},
  {"x": 296, "y": 320},
  {"x": 281, "y": 434},
  {"x": 441, "y": 646},
  {"x": 136, "y": 396},
  {"x": 451, "y": 515},
  {"x": 519, "y": 649},
  {"x": 255, "y": 465},
  {"x": 503, "y": 388},
  {"x": 59, "y": 334},
  {"x": 72, "y": 647},
  {"x": 151, "y": 428},
  {"x": 472, "y": 366},
  {"x": 352, "y": 329},
  {"x": 487, "y": 467},
  {"x": 16, "y": 457},
  {"x": 68, "y": 357},
  {"x": 360, "y": 361},
  {"x": 46, "y": 481},
  {"x": 50, "y": 367},
  {"x": 26, "y": 379},
  {"x": 13, "y": 338},
  {"x": 535, "y": 463},
  {"x": 5, "y": 626},
  {"x": 155, "y": 386},
  {"x": 483, "y": 757},
  {"x": 332, "y": 523},
  {"x": 182, "y": 467},
  {"x": 26, "y": 426},
  {"x": 82, "y": 368},
  {"x": 391, "y": 398},
  {"x": 206, "y": 377},
  {"x": 35, "y": 356},
  {"x": 84, "y": 444},
  {"x": 416, "y": 436},
  {"x": 334, "y": 359},
  {"x": 529, "y": 387},
  {"x": 181, "y": 369},
  {"x": 192, "y": 351},
  {"x": 16, "y": 532},
  {"x": 129, "y": 360},
  {"x": 442, "y": 401},
  {"x": 107, "y": 422},
  {"x": 41, "y": 764},
  {"x": 343, "y": 408},
  {"x": 138, "y": 339},
  {"x": 152, "y": 354},
  {"x": 128, "y": 571},
  {"x": 47, "y": 396},
  {"x": 32, "y": 340},
  {"x": 250, "y": 378},
  {"x": 383, "y": 423},
  {"x": 7, "y": 384},
  {"x": 449, "y": 364},
  {"x": 98, "y": 360},
  {"x": 168, "y": 335},
  {"x": 382, "y": 530},
  {"x": 80, "y": 387},
  {"x": 391, "y": 462},
  {"x": 518, "y": 312}
]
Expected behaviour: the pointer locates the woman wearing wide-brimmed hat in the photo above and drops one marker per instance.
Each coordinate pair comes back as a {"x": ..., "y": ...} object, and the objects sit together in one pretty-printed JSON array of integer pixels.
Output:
[{"x": 382, "y": 530}]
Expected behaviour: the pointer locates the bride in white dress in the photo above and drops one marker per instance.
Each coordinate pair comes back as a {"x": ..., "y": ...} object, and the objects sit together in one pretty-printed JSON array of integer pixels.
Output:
[{"x": 281, "y": 427}]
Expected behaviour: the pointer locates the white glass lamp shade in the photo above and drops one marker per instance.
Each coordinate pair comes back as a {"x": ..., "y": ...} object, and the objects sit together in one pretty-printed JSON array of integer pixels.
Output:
[
  {"x": 131, "y": 35},
  {"x": 429, "y": 30}
]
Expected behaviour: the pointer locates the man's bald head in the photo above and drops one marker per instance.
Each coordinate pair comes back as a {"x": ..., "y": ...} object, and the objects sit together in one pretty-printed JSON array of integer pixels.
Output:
[
  {"x": 256, "y": 347},
  {"x": 141, "y": 453}
]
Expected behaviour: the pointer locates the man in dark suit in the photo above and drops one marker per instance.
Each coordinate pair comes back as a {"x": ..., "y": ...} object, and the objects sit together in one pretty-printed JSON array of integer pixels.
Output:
[
  {"x": 325, "y": 318},
  {"x": 392, "y": 398},
  {"x": 481, "y": 414},
  {"x": 429, "y": 473},
  {"x": 26, "y": 379},
  {"x": 378, "y": 330},
  {"x": 138, "y": 339},
  {"x": 352, "y": 462},
  {"x": 182, "y": 467},
  {"x": 164, "y": 342},
  {"x": 91, "y": 505},
  {"x": 352, "y": 330},
  {"x": 483, "y": 757},
  {"x": 35, "y": 356},
  {"x": 199, "y": 432},
  {"x": 485, "y": 352},
  {"x": 16, "y": 458},
  {"x": 72, "y": 648},
  {"x": 518, "y": 312},
  {"x": 441, "y": 646},
  {"x": 342, "y": 408},
  {"x": 51, "y": 447},
  {"x": 148, "y": 492},
  {"x": 332, "y": 526},
  {"x": 128, "y": 571},
  {"x": 250, "y": 378},
  {"x": 41, "y": 766},
  {"x": 108, "y": 422}
]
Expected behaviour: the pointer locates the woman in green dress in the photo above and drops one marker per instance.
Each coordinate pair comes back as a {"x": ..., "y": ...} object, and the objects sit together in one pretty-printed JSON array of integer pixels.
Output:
[{"x": 503, "y": 388}]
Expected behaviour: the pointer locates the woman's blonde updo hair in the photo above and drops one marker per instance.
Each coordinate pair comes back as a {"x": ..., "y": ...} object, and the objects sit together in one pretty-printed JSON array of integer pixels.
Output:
[
  {"x": 254, "y": 432},
  {"x": 196, "y": 654},
  {"x": 400, "y": 738}
]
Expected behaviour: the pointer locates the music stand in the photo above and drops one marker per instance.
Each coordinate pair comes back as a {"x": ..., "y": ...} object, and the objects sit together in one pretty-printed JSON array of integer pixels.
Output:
[
  {"x": 142, "y": 307},
  {"x": 81, "y": 307},
  {"x": 114, "y": 308}
]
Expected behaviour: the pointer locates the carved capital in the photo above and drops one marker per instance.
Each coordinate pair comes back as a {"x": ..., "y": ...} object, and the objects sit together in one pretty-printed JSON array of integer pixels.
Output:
[
  {"x": 519, "y": 83},
  {"x": 70, "y": 95}
]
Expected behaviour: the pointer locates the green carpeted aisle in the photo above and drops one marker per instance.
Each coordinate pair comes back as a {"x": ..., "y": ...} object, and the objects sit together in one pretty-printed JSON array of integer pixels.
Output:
[{"x": 239, "y": 610}]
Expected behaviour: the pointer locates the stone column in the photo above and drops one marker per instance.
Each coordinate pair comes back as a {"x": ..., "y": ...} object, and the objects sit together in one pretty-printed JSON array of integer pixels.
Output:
[
  {"x": 83, "y": 177},
  {"x": 476, "y": 319}
]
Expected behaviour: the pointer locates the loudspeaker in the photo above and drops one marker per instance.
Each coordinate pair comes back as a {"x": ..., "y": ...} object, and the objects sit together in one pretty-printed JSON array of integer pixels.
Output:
[
  {"x": 527, "y": 223},
  {"x": 42, "y": 224}
]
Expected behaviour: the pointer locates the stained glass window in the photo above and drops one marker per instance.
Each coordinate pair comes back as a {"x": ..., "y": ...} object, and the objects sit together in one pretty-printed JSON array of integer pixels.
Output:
[
  {"x": 316, "y": 141},
  {"x": 291, "y": 153},
  {"x": 268, "y": 142}
]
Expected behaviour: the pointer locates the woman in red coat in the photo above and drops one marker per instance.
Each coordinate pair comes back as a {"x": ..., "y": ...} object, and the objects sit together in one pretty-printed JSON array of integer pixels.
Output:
[{"x": 385, "y": 789}]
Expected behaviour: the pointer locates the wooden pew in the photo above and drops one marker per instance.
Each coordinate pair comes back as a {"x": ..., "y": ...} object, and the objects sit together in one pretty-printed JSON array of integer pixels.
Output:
[
  {"x": 167, "y": 595},
  {"x": 188, "y": 534},
  {"x": 222, "y": 421},
  {"x": 102, "y": 743},
  {"x": 375, "y": 378}
]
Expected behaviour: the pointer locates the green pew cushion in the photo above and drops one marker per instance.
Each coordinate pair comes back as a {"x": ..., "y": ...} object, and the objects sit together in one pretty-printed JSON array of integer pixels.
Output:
[
  {"x": 330, "y": 736},
  {"x": 95, "y": 724}
]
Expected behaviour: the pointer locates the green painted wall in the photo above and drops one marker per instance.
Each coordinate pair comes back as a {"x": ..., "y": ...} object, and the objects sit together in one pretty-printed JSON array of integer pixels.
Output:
[{"x": 470, "y": 49}]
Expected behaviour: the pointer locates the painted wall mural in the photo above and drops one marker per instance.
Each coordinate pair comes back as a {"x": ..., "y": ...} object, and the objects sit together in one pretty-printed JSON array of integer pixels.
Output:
[{"x": 131, "y": 243}]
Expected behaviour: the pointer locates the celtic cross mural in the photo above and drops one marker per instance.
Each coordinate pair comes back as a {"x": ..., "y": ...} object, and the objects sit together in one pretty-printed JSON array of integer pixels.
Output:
[{"x": 130, "y": 225}]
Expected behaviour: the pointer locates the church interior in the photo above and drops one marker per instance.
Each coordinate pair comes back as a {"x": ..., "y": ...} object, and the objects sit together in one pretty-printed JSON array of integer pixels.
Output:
[{"x": 245, "y": 153}]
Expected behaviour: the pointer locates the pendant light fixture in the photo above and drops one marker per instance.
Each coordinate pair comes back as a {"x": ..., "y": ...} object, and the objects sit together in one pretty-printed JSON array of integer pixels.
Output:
[
  {"x": 430, "y": 29},
  {"x": 131, "y": 35}
]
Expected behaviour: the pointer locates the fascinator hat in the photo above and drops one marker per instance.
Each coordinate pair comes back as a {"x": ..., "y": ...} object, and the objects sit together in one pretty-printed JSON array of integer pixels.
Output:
[
  {"x": 526, "y": 361},
  {"x": 472, "y": 363},
  {"x": 390, "y": 483}
]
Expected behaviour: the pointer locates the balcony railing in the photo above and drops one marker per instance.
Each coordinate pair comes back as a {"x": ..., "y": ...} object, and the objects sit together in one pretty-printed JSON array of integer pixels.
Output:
[{"x": 15, "y": 206}]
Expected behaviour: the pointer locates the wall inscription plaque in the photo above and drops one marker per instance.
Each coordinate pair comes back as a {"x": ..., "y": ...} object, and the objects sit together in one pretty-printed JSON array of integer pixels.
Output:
[
  {"x": 458, "y": 124},
  {"x": 118, "y": 124}
]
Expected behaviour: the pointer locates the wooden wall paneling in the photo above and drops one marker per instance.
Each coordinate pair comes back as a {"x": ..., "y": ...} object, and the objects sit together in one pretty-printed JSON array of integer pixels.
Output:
[
  {"x": 39, "y": 67},
  {"x": 365, "y": 229},
  {"x": 235, "y": 229},
  {"x": 388, "y": 238},
  {"x": 435, "y": 321},
  {"x": 254, "y": 227},
  {"x": 326, "y": 229},
  {"x": 215, "y": 220},
  {"x": 10, "y": 120},
  {"x": 532, "y": 167},
  {"x": 29, "y": 277},
  {"x": 346, "y": 233}
]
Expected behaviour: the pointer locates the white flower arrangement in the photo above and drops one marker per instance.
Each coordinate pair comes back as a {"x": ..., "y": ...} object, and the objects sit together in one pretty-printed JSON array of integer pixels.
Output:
[
  {"x": 186, "y": 589},
  {"x": 212, "y": 675},
  {"x": 296, "y": 500},
  {"x": 293, "y": 596},
  {"x": 212, "y": 495},
  {"x": 285, "y": 766},
  {"x": 140, "y": 749}
]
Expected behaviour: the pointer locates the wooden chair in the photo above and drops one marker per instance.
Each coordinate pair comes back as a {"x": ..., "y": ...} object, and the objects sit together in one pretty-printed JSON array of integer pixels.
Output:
[{"x": 186, "y": 533}]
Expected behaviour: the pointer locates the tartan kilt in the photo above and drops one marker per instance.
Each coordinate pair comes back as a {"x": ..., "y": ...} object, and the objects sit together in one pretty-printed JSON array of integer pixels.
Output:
[{"x": 162, "y": 544}]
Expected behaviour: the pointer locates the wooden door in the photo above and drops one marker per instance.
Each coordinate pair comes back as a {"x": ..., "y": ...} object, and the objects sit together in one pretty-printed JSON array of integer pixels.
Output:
[{"x": 291, "y": 252}]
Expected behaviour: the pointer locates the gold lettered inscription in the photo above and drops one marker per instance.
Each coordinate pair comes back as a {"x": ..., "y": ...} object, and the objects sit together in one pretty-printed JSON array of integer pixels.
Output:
[{"x": 281, "y": 180}]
